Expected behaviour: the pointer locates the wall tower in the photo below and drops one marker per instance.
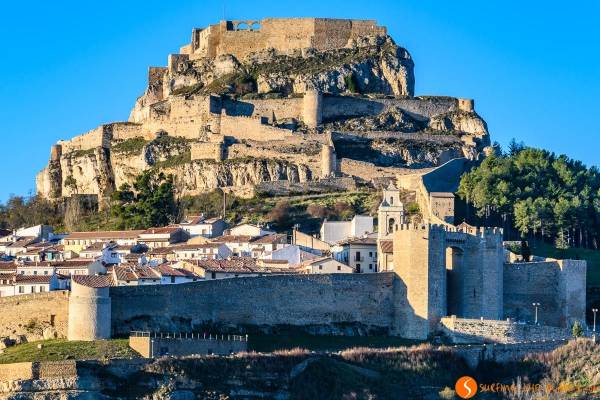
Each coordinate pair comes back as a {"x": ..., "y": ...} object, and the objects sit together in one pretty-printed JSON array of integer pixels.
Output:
[
  {"x": 89, "y": 312},
  {"x": 312, "y": 111}
]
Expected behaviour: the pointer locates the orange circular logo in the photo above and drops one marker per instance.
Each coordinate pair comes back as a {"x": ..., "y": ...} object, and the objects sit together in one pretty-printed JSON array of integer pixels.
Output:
[{"x": 466, "y": 387}]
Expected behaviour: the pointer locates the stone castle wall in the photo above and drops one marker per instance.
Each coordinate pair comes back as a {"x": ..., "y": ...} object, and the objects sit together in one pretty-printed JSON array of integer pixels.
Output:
[
  {"x": 240, "y": 38},
  {"x": 463, "y": 330},
  {"x": 48, "y": 310},
  {"x": 249, "y": 128},
  {"x": 329, "y": 303},
  {"x": 559, "y": 286}
]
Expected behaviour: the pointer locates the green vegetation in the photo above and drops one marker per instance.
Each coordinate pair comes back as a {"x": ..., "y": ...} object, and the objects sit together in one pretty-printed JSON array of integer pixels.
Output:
[
  {"x": 284, "y": 212},
  {"x": 82, "y": 153},
  {"x": 268, "y": 343},
  {"x": 542, "y": 195},
  {"x": 28, "y": 211},
  {"x": 150, "y": 202},
  {"x": 351, "y": 83},
  {"x": 60, "y": 349},
  {"x": 130, "y": 146}
]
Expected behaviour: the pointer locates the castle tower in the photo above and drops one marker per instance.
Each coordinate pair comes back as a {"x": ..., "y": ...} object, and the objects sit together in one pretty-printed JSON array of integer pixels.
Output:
[
  {"x": 328, "y": 160},
  {"x": 312, "y": 111},
  {"x": 467, "y": 105},
  {"x": 391, "y": 212},
  {"x": 55, "y": 152},
  {"x": 420, "y": 290},
  {"x": 89, "y": 311}
]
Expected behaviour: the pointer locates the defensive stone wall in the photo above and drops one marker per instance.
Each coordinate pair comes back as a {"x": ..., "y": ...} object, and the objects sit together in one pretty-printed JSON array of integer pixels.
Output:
[
  {"x": 125, "y": 130},
  {"x": 326, "y": 303},
  {"x": 29, "y": 315},
  {"x": 207, "y": 151},
  {"x": 462, "y": 330},
  {"x": 335, "y": 107},
  {"x": 273, "y": 109},
  {"x": 251, "y": 128},
  {"x": 97, "y": 137},
  {"x": 285, "y": 35},
  {"x": 558, "y": 285}
]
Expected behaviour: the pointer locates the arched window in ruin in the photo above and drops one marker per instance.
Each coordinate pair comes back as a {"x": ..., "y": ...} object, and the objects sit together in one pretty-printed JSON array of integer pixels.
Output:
[{"x": 255, "y": 26}]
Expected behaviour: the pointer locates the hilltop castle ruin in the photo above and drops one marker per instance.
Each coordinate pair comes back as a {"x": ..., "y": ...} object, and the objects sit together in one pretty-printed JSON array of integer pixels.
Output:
[{"x": 296, "y": 100}]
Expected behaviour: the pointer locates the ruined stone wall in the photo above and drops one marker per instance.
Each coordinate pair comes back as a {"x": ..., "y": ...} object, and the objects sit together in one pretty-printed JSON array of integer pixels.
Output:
[
  {"x": 559, "y": 287},
  {"x": 207, "y": 151},
  {"x": 97, "y": 137},
  {"x": 283, "y": 34},
  {"x": 48, "y": 310},
  {"x": 420, "y": 108},
  {"x": 463, "y": 330},
  {"x": 251, "y": 128},
  {"x": 126, "y": 130},
  {"x": 277, "y": 109},
  {"x": 329, "y": 303}
]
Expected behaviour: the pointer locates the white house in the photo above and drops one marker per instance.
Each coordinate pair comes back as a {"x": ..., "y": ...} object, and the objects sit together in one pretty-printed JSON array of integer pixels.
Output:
[
  {"x": 203, "y": 251},
  {"x": 197, "y": 225},
  {"x": 267, "y": 244},
  {"x": 335, "y": 231},
  {"x": 15, "y": 285},
  {"x": 40, "y": 232},
  {"x": 249, "y": 230},
  {"x": 238, "y": 244},
  {"x": 162, "y": 237},
  {"x": 359, "y": 253},
  {"x": 325, "y": 265},
  {"x": 293, "y": 254}
]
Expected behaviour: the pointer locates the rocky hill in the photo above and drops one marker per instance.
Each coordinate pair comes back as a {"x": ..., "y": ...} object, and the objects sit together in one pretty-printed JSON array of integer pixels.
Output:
[{"x": 273, "y": 111}]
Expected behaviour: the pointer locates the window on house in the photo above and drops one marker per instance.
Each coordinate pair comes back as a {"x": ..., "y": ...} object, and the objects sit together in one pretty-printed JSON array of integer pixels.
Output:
[
  {"x": 213, "y": 275},
  {"x": 35, "y": 272},
  {"x": 339, "y": 267},
  {"x": 21, "y": 289},
  {"x": 358, "y": 256},
  {"x": 391, "y": 200},
  {"x": 172, "y": 279},
  {"x": 45, "y": 272},
  {"x": 370, "y": 254},
  {"x": 33, "y": 289},
  {"x": 42, "y": 289},
  {"x": 320, "y": 267},
  {"x": 370, "y": 266},
  {"x": 357, "y": 267}
]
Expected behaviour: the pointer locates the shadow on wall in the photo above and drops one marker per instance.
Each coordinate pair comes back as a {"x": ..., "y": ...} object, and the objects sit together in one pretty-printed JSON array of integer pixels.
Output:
[{"x": 343, "y": 107}]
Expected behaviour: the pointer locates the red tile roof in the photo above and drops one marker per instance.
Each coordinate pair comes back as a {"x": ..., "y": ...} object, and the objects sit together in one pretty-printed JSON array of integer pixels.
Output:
[
  {"x": 271, "y": 239},
  {"x": 233, "y": 239},
  {"x": 44, "y": 279},
  {"x": 94, "y": 281},
  {"x": 104, "y": 235}
]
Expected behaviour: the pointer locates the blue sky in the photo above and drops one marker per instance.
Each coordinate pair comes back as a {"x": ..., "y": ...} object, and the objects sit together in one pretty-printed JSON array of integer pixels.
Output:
[{"x": 66, "y": 67}]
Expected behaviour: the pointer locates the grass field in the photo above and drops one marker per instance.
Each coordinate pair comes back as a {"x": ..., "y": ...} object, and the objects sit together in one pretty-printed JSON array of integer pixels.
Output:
[
  {"x": 268, "y": 343},
  {"x": 591, "y": 256},
  {"x": 55, "y": 350}
]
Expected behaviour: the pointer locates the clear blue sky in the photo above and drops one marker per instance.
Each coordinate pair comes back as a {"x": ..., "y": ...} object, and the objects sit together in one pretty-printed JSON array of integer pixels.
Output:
[{"x": 68, "y": 66}]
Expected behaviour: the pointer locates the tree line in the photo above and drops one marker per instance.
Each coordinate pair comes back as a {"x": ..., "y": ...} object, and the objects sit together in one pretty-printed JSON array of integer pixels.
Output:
[{"x": 542, "y": 195}]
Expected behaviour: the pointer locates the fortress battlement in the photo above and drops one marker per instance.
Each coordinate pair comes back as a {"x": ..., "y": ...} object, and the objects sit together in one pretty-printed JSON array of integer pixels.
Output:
[{"x": 243, "y": 37}]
